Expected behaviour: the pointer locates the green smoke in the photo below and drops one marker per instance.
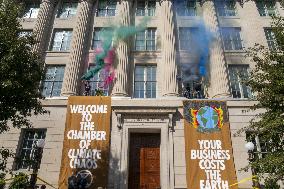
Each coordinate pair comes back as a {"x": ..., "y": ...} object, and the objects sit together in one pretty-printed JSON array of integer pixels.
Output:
[{"x": 110, "y": 38}]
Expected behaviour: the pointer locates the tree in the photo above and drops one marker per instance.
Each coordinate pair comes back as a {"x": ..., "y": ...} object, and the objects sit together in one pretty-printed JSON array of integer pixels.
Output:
[
  {"x": 19, "y": 181},
  {"x": 21, "y": 71},
  {"x": 267, "y": 83}
]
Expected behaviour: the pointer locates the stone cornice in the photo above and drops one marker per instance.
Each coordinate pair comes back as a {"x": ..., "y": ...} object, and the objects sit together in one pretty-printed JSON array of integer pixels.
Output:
[
  {"x": 49, "y": 1},
  {"x": 62, "y": 102},
  {"x": 143, "y": 110},
  {"x": 241, "y": 1},
  {"x": 89, "y": 1},
  {"x": 131, "y": 1}
]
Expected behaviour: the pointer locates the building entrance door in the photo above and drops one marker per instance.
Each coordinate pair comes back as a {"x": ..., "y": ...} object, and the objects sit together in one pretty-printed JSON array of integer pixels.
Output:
[{"x": 144, "y": 161}]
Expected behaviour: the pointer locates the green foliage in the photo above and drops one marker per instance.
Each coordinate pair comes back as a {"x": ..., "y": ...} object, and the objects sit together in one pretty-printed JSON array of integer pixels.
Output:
[
  {"x": 267, "y": 82},
  {"x": 271, "y": 184},
  {"x": 21, "y": 71},
  {"x": 2, "y": 181},
  {"x": 99, "y": 92},
  {"x": 20, "y": 181},
  {"x": 5, "y": 154}
]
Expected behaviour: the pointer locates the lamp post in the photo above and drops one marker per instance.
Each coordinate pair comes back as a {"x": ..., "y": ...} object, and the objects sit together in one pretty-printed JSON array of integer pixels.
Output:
[
  {"x": 37, "y": 157},
  {"x": 250, "y": 147}
]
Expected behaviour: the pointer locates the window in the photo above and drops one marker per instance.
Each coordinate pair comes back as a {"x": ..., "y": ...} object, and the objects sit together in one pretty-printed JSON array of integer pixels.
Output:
[
  {"x": 261, "y": 146},
  {"x": 186, "y": 37},
  {"x": 237, "y": 74},
  {"x": 146, "y": 40},
  {"x": 67, "y": 9},
  {"x": 266, "y": 8},
  {"x": 226, "y": 8},
  {"x": 31, "y": 10},
  {"x": 53, "y": 81},
  {"x": 61, "y": 40},
  {"x": 270, "y": 37},
  {"x": 27, "y": 147},
  {"x": 106, "y": 8},
  {"x": 97, "y": 83},
  {"x": 145, "y": 82},
  {"x": 192, "y": 89},
  {"x": 231, "y": 38},
  {"x": 97, "y": 37},
  {"x": 146, "y": 8},
  {"x": 185, "y": 7}
]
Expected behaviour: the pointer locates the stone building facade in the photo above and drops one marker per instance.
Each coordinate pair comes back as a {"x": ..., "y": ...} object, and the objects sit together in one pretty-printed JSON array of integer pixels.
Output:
[{"x": 148, "y": 91}]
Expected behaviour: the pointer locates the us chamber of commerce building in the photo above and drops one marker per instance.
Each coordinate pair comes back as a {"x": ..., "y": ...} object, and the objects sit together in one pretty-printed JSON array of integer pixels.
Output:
[{"x": 166, "y": 122}]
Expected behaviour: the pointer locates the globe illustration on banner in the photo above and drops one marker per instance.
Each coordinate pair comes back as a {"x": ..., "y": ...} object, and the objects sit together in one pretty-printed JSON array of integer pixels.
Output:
[{"x": 207, "y": 117}]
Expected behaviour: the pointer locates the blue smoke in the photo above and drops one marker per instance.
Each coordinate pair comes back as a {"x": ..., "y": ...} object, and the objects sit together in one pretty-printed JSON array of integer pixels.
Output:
[{"x": 200, "y": 41}]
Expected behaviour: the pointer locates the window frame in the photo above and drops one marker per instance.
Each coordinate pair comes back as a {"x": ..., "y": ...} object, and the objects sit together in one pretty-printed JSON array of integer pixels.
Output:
[
  {"x": 146, "y": 39},
  {"x": 96, "y": 82},
  {"x": 186, "y": 10},
  {"x": 186, "y": 40},
  {"x": 51, "y": 93},
  {"x": 29, "y": 7},
  {"x": 271, "y": 42},
  {"x": 145, "y": 10},
  {"x": 225, "y": 6},
  {"x": 18, "y": 165},
  {"x": 99, "y": 38},
  {"x": 69, "y": 10},
  {"x": 145, "y": 81},
  {"x": 262, "y": 6},
  {"x": 67, "y": 32},
  {"x": 237, "y": 81},
  {"x": 233, "y": 43},
  {"x": 260, "y": 146},
  {"x": 108, "y": 9}
]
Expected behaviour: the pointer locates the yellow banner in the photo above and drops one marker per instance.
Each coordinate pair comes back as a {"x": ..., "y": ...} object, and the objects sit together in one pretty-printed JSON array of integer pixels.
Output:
[
  {"x": 85, "y": 153},
  {"x": 208, "y": 148}
]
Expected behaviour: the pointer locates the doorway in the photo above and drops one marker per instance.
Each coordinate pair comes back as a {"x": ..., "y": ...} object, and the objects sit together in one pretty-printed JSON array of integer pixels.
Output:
[{"x": 144, "y": 161}]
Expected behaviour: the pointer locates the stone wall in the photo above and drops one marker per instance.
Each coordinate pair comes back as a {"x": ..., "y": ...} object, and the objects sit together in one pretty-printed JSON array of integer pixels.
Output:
[{"x": 135, "y": 116}]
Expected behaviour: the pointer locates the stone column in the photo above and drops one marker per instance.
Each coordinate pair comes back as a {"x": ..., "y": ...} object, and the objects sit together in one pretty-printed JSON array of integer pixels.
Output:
[
  {"x": 80, "y": 35},
  {"x": 218, "y": 79},
  {"x": 42, "y": 26},
  {"x": 168, "y": 51},
  {"x": 120, "y": 85}
]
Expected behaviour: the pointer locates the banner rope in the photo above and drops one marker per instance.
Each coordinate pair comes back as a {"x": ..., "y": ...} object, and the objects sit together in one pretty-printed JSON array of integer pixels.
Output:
[
  {"x": 45, "y": 182},
  {"x": 254, "y": 177}
]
